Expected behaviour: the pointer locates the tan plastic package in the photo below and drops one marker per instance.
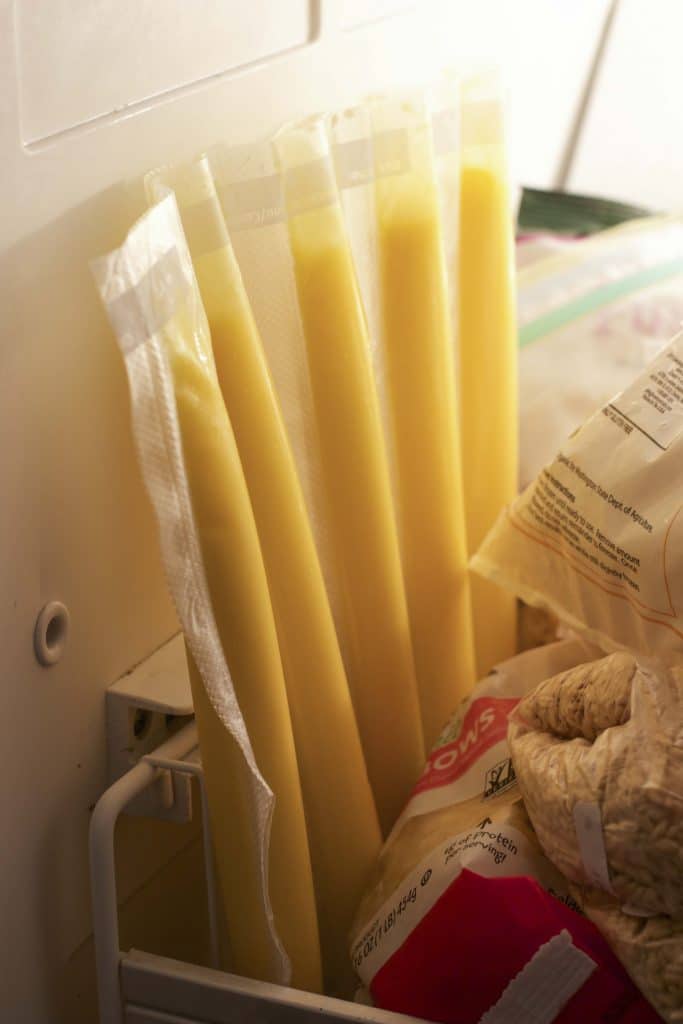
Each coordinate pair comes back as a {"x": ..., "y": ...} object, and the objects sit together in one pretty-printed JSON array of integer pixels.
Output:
[
  {"x": 213, "y": 562},
  {"x": 651, "y": 948},
  {"x": 598, "y": 754},
  {"x": 343, "y": 830},
  {"x": 597, "y": 538}
]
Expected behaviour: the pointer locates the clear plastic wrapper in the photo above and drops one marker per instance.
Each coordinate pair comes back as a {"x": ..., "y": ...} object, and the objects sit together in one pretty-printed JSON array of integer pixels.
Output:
[
  {"x": 354, "y": 470},
  {"x": 343, "y": 830},
  {"x": 212, "y": 558},
  {"x": 419, "y": 358},
  {"x": 598, "y": 754},
  {"x": 397, "y": 168},
  {"x": 487, "y": 340}
]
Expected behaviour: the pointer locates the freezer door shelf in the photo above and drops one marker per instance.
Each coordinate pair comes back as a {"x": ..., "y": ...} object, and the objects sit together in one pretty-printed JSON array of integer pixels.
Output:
[
  {"x": 156, "y": 990},
  {"x": 140, "y": 988}
]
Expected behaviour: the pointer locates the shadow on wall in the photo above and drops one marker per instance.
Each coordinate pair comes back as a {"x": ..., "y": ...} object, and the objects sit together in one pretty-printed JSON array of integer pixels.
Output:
[
  {"x": 167, "y": 916},
  {"x": 88, "y": 538}
]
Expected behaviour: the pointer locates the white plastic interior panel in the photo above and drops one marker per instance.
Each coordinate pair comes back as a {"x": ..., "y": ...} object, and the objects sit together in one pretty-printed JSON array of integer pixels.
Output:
[
  {"x": 145, "y": 708},
  {"x": 160, "y": 682},
  {"x": 79, "y": 61},
  {"x": 93, "y": 92},
  {"x": 631, "y": 145},
  {"x": 360, "y": 12}
]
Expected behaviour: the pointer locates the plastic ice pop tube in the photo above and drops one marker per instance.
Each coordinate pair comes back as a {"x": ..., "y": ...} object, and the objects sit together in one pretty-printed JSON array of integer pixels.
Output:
[
  {"x": 164, "y": 336},
  {"x": 418, "y": 339},
  {"x": 343, "y": 829},
  {"x": 362, "y": 528},
  {"x": 488, "y": 351}
]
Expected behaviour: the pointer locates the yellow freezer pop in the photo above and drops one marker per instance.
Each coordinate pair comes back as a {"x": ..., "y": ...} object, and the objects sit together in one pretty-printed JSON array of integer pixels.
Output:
[
  {"x": 343, "y": 829},
  {"x": 488, "y": 360},
  {"x": 379, "y": 660},
  {"x": 418, "y": 343},
  {"x": 241, "y": 604}
]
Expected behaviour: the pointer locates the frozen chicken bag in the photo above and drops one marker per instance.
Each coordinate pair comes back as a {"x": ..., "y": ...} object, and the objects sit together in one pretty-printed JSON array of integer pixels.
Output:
[
  {"x": 465, "y": 919},
  {"x": 597, "y": 538},
  {"x": 213, "y": 563}
]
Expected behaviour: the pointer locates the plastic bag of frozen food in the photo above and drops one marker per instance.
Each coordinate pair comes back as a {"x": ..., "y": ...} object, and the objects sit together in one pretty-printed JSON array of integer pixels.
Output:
[
  {"x": 418, "y": 345},
  {"x": 282, "y": 208},
  {"x": 329, "y": 755},
  {"x": 213, "y": 563},
  {"x": 395, "y": 193},
  {"x": 590, "y": 319},
  {"x": 487, "y": 346},
  {"x": 598, "y": 755},
  {"x": 354, "y": 470},
  {"x": 650, "y": 948},
  {"x": 465, "y": 918},
  {"x": 598, "y": 537}
]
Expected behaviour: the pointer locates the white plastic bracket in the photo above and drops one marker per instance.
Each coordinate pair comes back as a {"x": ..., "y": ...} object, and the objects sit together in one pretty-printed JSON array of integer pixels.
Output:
[
  {"x": 179, "y": 756},
  {"x": 145, "y": 708}
]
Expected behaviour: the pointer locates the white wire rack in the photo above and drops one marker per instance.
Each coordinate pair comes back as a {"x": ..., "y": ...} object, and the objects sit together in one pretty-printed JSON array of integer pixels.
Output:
[{"x": 140, "y": 988}]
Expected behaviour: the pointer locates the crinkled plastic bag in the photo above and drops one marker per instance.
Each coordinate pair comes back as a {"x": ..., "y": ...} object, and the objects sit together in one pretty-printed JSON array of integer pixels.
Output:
[
  {"x": 590, "y": 319},
  {"x": 465, "y": 919},
  {"x": 598, "y": 754},
  {"x": 597, "y": 538}
]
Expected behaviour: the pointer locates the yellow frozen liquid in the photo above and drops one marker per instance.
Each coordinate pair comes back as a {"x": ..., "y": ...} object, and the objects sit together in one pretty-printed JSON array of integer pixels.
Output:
[
  {"x": 241, "y": 603},
  {"x": 418, "y": 341},
  {"x": 359, "y": 508},
  {"x": 343, "y": 829},
  {"x": 488, "y": 369}
]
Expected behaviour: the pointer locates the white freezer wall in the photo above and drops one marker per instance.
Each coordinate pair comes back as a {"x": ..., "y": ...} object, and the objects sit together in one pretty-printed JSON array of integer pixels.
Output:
[
  {"x": 631, "y": 144},
  {"x": 91, "y": 92}
]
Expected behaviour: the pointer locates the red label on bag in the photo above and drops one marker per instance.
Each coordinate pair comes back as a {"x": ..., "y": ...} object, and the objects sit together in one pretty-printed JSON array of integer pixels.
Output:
[
  {"x": 484, "y": 725},
  {"x": 457, "y": 961}
]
